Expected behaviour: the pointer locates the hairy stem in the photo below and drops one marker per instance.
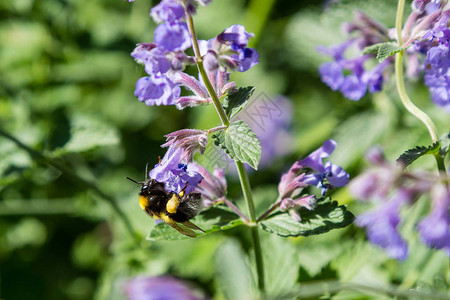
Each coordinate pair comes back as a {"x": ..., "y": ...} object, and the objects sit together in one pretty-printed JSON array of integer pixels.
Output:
[
  {"x": 245, "y": 183},
  {"x": 201, "y": 69},
  {"x": 248, "y": 196},
  {"x": 406, "y": 101}
]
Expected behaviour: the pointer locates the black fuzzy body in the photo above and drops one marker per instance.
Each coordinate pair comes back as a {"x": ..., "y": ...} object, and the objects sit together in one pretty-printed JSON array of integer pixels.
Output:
[{"x": 157, "y": 196}]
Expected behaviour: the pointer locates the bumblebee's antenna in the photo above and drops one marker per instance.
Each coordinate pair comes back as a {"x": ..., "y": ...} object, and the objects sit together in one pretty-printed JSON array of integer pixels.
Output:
[
  {"x": 146, "y": 171},
  {"x": 133, "y": 180}
]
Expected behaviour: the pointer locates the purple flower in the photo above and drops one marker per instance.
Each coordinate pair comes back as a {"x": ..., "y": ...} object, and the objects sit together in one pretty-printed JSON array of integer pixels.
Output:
[
  {"x": 435, "y": 228},
  {"x": 247, "y": 58},
  {"x": 167, "y": 11},
  {"x": 332, "y": 75},
  {"x": 236, "y": 35},
  {"x": 291, "y": 206},
  {"x": 381, "y": 225},
  {"x": 335, "y": 175},
  {"x": 152, "y": 57},
  {"x": 158, "y": 288},
  {"x": 173, "y": 36},
  {"x": 229, "y": 50},
  {"x": 190, "y": 140},
  {"x": 213, "y": 186},
  {"x": 174, "y": 173},
  {"x": 437, "y": 75},
  {"x": 156, "y": 90}
]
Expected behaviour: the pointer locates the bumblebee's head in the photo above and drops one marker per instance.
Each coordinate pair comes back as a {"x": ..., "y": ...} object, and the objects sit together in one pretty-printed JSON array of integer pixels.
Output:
[{"x": 148, "y": 185}]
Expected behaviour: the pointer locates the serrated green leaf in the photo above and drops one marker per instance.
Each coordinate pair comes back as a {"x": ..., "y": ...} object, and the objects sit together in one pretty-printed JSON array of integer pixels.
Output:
[
  {"x": 240, "y": 143},
  {"x": 388, "y": 49},
  {"x": 409, "y": 156},
  {"x": 325, "y": 217},
  {"x": 211, "y": 220},
  {"x": 372, "y": 49},
  {"x": 88, "y": 133},
  {"x": 383, "y": 50},
  {"x": 235, "y": 102}
]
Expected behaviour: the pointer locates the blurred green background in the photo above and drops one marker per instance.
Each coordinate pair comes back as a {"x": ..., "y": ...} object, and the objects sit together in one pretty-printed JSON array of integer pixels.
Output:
[{"x": 71, "y": 130}]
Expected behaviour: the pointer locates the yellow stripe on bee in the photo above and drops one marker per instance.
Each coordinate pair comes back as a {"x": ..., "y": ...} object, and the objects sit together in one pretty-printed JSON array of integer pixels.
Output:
[
  {"x": 143, "y": 202},
  {"x": 167, "y": 219},
  {"x": 172, "y": 204}
]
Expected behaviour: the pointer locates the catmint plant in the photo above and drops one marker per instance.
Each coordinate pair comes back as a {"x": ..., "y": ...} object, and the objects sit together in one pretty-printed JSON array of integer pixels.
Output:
[
  {"x": 303, "y": 204},
  {"x": 424, "y": 41}
]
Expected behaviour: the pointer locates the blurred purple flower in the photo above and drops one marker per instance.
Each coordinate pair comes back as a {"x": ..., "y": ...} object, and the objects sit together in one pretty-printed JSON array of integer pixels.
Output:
[
  {"x": 174, "y": 173},
  {"x": 158, "y": 288},
  {"x": 381, "y": 224},
  {"x": 213, "y": 186},
  {"x": 435, "y": 228},
  {"x": 157, "y": 90},
  {"x": 389, "y": 187},
  {"x": 167, "y": 11},
  {"x": 332, "y": 75},
  {"x": 173, "y": 36}
]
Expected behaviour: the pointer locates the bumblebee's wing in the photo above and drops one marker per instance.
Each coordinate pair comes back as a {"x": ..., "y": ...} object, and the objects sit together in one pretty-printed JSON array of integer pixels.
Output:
[
  {"x": 183, "y": 230},
  {"x": 192, "y": 226}
]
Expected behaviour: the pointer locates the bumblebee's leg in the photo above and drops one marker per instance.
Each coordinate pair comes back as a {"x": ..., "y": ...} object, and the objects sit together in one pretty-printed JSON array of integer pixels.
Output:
[
  {"x": 192, "y": 226},
  {"x": 172, "y": 204},
  {"x": 186, "y": 231}
]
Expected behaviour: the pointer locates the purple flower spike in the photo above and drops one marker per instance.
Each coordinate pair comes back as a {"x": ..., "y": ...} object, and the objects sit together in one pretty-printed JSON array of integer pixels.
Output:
[
  {"x": 190, "y": 140},
  {"x": 167, "y": 11},
  {"x": 158, "y": 288},
  {"x": 335, "y": 175},
  {"x": 435, "y": 228},
  {"x": 381, "y": 225},
  {"x": 175, "y": 175},
  {"x": 156, "y": 90},
  {"x": 173, "y": 36}
]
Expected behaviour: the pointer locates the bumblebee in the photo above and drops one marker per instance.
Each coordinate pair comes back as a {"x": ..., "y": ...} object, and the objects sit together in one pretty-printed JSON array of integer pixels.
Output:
[{"x": 175, "y": 209}]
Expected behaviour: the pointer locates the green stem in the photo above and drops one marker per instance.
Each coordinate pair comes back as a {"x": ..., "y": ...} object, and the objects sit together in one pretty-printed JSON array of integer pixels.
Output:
[
  {"x": 248, "y": 196},
  {"x": 201, "y": 69},
  {"x": 409, "y": 105},
  {"x": 245, "y": 183},
  {"x": 75, "y": 178}
]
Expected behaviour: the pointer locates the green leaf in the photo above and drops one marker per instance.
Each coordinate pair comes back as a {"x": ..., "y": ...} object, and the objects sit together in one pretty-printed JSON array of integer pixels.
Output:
[
  {"x": 383, "y": 50},
  {"x": 88, "y": 133},
  {"x": 211, "y": 220},
  {"x": 240, "y": 143},
  {"x": 235, "y": 102},
  {"x": 325, "y": 217},
  {"x": 409, "y": 156},
  {"x": 234, "y": 275}
]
